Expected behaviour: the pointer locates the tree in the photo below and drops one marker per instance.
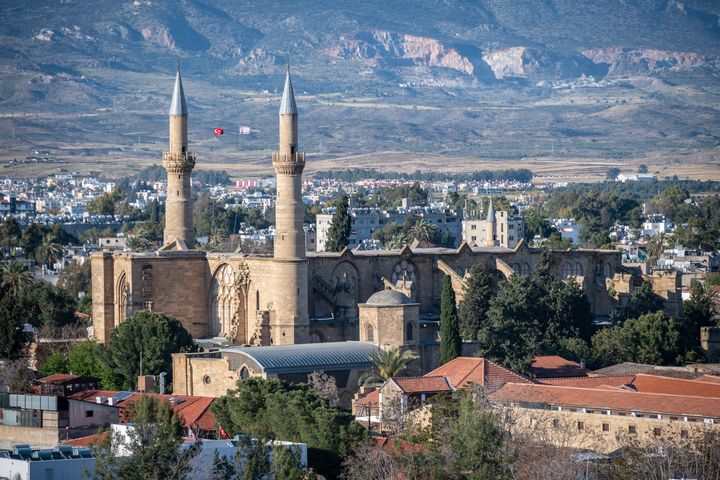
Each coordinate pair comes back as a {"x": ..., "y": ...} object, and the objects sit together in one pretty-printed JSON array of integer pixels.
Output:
[
  {"x": 56, "y": 362},
  {"x": 642, "y": 168},
  {"x": 274, "y": 409},
  {"x": 450, "y": 341},
  {"x": 15, "y": 376},
  {"x": 154, "y": 335},
  {"x": 536, "y": 224},
  {"x": 15, "y": 277},
  {"x": 49, "y": 251},
  {"x": 91, "y": 359},
  {"x": 12, "y": 336},
  {"x": 43, "y": 304},
  {"x": 154, "y": 446},
  {"x": 698, "y": 311},
  {"x": 105, "y": 204},
  {"x": 324, "y": 386},
  {"x": 75, "y": 278},
  {"x": 10, "y": 233},
  {"x": 423, "y": 231},
  {"x": 534, "y": 315},
  {"x": 651, "y": 338},
  {"x": 388, "y": 363},
  {"x": 642, "y": 300},
  {"x": 612, "y": 174},
  {"x": 339, "y": 232},
  {"x": 478, "y": 290}
]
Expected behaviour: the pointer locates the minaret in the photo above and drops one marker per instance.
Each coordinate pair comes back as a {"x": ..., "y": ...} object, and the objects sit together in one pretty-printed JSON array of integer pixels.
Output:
[
  {"x": 178, "y": 163},
  {"x": 490, "y": 226},
  {"x": 290, "y": 265}
]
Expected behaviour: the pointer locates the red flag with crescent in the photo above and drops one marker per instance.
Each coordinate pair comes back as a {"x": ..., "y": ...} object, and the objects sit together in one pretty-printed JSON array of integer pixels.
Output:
[{"x": 219, "y": 131}]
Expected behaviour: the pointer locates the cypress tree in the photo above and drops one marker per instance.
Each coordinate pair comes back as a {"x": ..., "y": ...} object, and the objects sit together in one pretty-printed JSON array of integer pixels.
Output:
[
  {"x": 339, "y": 231},
  {"x": 476, "y": 300},
  {"x": 450, "y": 341}
]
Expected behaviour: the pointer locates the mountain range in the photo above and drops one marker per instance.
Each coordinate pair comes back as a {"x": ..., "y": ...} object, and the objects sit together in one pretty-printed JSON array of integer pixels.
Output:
[{"x": 491, "y": 79}]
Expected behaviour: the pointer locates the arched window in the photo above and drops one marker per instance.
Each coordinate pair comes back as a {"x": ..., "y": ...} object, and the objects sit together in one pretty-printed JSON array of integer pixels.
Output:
[
  {"x": 316, "y": 337},
  {"x": 517, "y": 269},
  {"x": 369, "y": 333},
  {"x": 525, "y": 270},
  {"x": 244, "y": 372},
  {"x": 567, "y": 271},
  {"x": 409, "y": 332},
  {"x": 578, "y": 270},
  {"x": 607, "y": 270}
]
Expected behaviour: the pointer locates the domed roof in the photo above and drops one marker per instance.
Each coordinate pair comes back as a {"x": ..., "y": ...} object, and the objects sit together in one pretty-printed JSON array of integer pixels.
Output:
[{"x": 388, "y": 297}]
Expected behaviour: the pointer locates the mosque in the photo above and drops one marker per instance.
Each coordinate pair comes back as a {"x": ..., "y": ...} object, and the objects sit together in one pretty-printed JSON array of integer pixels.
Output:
[{"x": 298, "y": 297}]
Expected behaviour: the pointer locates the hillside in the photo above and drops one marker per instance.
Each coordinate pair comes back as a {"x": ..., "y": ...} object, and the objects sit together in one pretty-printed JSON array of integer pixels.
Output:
[{"x": 496, "y": 79}]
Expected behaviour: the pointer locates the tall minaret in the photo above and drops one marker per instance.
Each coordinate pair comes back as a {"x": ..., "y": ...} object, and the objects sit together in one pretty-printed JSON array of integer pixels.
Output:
[
  {"x": 290, "y": 265},
  {"x": 490, "y": 225},
  {"x": 178, "y": 163}
]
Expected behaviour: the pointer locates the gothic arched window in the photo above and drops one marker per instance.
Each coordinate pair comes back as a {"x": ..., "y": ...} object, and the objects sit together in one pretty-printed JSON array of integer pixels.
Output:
[
  {"x": 409, "y": 332},
  {"x": 369, "y": 333}
]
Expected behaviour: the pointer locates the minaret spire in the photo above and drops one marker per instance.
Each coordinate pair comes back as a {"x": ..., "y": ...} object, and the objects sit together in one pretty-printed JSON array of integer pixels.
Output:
[
  {"x": 491, "y": 212},
  {"x": 287, "y": 104},
  {"x": 178, "y": 107}
]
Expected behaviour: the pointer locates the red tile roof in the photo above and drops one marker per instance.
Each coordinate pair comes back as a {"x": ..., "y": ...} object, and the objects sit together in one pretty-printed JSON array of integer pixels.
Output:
[
  {"x": 676, "y": 386},
  {"x": 554, "y": 366},
  {"x": 372, "y": 398},
  {"x": 709, "y": 378},
  {"x": 88, "y": 441},
  {"x": 426, "y": 384},
  {"x": 65, "y": 378},
  {"x": 602, "y": 399},
  {"x": 191, "y": 410},
  {"x": 465, "y": 370},
  {"x": 590, "y": 382}
]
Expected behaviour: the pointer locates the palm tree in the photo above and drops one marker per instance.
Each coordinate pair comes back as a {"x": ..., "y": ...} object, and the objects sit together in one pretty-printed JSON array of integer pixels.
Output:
[
  {"x": 15, "y": 277},
  {"x": 657, "y": 244},
  {"x": 397, "y": 241},
  {"x": 49, "y": 251},
  {"x": 387, "y": 364},
  {"x": 422, "y": 231}
]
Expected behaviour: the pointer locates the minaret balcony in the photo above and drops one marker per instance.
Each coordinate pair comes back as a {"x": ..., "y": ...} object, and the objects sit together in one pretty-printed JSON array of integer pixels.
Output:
[
  {"x": 292, "y": 164},
  {"x": 175, "y": 162},
  {"x": 293, "y": 157}
]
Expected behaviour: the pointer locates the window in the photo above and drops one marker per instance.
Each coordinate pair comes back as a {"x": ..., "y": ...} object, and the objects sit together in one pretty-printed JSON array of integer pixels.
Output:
[
  {"x": 632, "y": 430},
  {"x": 369, "y": 333},
  {"x": 556, "y": 423},
  {"x": 244, "y": 372},
  {"x": 473, "y": 227},
  {"x": 657, "y": 431},
  {"x": 206, "y": 379},
  {"x": 606, "y": 427},
  {"x": 89, "y": 413},
  {"x": 257, "y": 299},
  {"x": 409, "y": 332},
  {"x": 683, "y": 434},
  {"x": 581, "y": 425}
]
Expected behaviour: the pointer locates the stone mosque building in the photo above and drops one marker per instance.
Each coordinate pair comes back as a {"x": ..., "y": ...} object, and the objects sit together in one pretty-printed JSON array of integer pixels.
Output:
[{"x": 298, "y": 297}]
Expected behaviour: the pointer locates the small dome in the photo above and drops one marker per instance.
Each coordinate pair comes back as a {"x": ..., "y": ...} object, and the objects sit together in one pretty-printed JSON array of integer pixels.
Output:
[{"x": 388, "y": 297}]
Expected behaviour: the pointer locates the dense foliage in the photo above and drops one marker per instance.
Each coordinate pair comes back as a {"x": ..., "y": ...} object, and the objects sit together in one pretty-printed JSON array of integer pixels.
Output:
[
  {"x": 155, "y": 337},
  {"x": 534, "y": 315},
  {"x": 450, "y": 341},
  {"x": 479, "y": 289},
  {"x": 276, "y": 410},
  {"x": 339, "y": 232},
  {"x": 351, "y": 175}
]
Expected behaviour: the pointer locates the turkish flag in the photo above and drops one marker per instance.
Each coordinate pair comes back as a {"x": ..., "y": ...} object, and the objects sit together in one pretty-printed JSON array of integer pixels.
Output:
[
  {"x": 222, "y": 432},
  {"x": 219, "y": 131}
]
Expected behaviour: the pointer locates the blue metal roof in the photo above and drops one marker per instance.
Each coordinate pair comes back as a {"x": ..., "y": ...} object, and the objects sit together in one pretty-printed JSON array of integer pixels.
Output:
[{"x": 309, "y": 357}]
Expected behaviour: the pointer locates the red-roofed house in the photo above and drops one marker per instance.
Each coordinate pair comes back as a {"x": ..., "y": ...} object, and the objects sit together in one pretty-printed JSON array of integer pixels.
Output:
[
  {"x": 192, "y": 411},
  {"x": 412, "y": 393},
  {"x": 607, "y": 417}
]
